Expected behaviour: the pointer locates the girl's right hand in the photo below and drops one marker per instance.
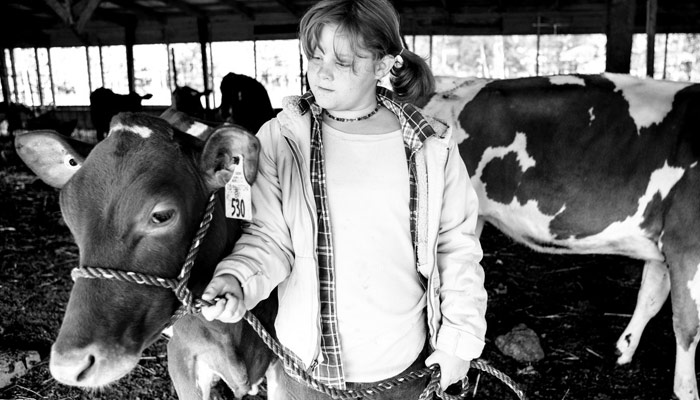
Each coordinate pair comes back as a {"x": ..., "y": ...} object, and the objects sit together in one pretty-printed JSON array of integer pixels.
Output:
[{"x": 228, "y": 293}]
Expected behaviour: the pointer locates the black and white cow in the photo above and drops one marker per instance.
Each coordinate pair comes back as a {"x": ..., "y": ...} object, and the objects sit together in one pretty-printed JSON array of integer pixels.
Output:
[{"x": 603, "y": 164}]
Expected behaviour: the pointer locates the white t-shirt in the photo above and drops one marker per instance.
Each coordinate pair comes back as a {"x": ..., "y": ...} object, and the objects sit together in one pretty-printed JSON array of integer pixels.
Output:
[{"x": 380, "y": 299}]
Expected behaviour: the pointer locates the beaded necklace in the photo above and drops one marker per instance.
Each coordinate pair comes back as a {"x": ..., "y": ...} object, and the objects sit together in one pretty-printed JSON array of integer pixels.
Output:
[{"x": 331, "y": 116}]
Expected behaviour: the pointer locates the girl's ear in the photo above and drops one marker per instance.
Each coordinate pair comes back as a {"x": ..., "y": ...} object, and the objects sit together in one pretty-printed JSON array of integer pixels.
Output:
[{"x": 383, "y": 66}]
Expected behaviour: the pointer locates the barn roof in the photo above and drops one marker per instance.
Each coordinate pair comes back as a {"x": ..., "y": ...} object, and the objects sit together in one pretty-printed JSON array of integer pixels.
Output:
[{"x": 52, "y": 23}]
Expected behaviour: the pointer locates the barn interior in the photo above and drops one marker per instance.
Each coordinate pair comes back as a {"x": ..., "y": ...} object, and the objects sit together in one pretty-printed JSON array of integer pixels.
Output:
[{"x": 45, "y": 24}]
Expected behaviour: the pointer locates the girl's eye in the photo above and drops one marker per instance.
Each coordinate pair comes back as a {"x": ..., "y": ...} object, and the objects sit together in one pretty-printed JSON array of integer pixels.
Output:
[
  {"x": 342, "y": 64},
  {"x": 160, "y": 217}
]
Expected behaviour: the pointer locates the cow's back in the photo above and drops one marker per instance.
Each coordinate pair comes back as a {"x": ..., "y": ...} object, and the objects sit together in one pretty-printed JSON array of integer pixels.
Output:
[{"x": 581, "y": 164}]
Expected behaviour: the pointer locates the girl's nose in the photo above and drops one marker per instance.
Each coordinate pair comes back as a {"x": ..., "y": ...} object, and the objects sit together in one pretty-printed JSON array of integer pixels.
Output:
[{"x": 325, "y": 71}]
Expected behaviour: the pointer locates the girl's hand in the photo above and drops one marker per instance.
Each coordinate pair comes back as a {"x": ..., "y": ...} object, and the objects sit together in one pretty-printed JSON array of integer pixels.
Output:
[
  {"x": 452, "y": 368},
  {"x": 230, "y": 307}
]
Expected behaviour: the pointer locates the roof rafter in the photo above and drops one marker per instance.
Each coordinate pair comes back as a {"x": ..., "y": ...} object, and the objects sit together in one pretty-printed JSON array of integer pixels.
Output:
[
  {"x": 240, "y": 8},
  {"x": 187, "y": 7},
  {"x": 62, "y": 9},
  {"x": 140, "y": 11},
  {"x": 87, "y": 8},
  {"x": 291, "y": 7}
]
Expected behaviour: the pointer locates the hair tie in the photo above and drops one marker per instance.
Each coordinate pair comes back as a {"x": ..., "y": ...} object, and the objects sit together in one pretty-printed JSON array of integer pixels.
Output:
[{"x": 398, "y": 60}]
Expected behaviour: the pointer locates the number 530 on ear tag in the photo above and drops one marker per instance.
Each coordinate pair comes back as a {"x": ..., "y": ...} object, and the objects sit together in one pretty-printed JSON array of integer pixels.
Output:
[{"x": 237, "y": 194}]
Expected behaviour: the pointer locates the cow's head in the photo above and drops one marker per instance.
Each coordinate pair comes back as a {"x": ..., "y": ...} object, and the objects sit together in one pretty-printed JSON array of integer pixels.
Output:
[
  {"x": 244, "y": 101},
  {"x": 188, "y": 100},
  {"x": 133, "y": 203}
]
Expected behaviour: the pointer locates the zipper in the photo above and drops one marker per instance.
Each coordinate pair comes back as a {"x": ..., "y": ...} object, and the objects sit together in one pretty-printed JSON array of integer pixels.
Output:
[{"x": 296, "y": 154}]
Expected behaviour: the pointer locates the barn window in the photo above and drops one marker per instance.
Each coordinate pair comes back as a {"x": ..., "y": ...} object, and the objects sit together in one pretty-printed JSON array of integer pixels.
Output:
[
  {"x": 676, "y": 56},
  {"x": 151, "y": 73}
]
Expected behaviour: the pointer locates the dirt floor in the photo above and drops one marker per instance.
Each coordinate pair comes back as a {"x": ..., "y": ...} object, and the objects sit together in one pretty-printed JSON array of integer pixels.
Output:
[{"x": 578, "y": 305}]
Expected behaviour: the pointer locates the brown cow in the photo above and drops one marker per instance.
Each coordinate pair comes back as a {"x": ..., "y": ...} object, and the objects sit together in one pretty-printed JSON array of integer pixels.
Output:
[{"x": 133, "y": 203}]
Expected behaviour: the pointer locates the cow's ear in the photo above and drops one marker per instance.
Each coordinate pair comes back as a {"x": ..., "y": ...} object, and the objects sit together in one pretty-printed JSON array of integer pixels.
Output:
[
  {"x": 222, "y": 151},
  {"x": 53, "y": 158}
]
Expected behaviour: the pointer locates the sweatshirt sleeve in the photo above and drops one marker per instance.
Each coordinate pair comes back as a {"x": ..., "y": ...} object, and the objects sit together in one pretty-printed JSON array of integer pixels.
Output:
[
  {"x": 262, "y": 257},
  {"x": 462, "y": 293}
]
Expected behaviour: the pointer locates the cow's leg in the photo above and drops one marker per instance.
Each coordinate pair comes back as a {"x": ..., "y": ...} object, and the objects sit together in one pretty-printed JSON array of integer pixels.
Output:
[
  {"x": 652, "y": 295},
  {"x": 685, "y": 298},
  {"x": 182, "y": 370},
  {"x": 681, "y": 247}
]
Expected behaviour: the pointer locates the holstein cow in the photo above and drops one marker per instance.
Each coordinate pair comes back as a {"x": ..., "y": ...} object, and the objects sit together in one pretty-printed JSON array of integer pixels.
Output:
[
  {"x": 594, "y": 164},
  {"x": 133, "y": 203},
  {"x": 104, "y": 104},
  {"x": 244, "y": 101}
]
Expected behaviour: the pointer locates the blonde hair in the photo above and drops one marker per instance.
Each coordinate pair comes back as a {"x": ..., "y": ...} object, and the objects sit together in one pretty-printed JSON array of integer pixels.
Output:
[{"x": 371, "y": 25}]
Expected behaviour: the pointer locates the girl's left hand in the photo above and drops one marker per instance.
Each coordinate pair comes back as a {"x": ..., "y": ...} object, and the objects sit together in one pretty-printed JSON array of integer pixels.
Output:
[{"x": 452, "y": 368}]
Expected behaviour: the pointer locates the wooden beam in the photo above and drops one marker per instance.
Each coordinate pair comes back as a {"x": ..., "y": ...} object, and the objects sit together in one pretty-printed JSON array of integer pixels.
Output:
[
  {"x": 62, "y": 10},
  {"x": 292, "y": 8},
  {"x": 652, "y": 7},
  {"x": 4, "y": 81},
  {"x": 86, "y": 14},
  {"x": 38, "y": 77},
  {"x": 140, "y": 11},
  {"x": 14, "y": 75},
  {"x": 619, "y": 32},
  {"x": 203, "y": 32},
  {"x": 240, "y": 9},
  {"x": 187, "y": 8},
  {"x": 130, "y": 39}
]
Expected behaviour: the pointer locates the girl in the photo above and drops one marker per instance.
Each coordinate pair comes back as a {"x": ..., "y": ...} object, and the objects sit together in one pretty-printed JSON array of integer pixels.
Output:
[{"x": 364, "y": 216}]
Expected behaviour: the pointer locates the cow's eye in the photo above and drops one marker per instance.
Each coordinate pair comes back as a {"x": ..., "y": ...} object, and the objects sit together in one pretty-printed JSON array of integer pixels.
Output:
[{"x": 159, "y": 217}]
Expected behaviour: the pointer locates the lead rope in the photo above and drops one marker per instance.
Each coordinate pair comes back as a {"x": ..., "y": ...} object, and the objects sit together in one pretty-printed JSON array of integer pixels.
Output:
[{"x": 193, "y": 306}]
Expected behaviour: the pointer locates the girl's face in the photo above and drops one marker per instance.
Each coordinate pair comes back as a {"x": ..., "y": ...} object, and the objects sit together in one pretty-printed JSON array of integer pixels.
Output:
[{"x": 339, "y": 79}]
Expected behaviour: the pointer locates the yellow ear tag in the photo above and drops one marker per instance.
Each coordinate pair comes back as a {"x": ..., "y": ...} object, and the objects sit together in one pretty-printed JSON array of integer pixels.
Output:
[{"x": 237, "y": 194}]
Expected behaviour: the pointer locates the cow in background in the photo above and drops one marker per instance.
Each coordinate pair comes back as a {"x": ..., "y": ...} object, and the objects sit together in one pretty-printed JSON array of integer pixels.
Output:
[
  {"x": 104, "y": 104},
  {"x": 605, "y": 164},
  {"x": 245, "y": 102},
  {"x": 188, "y": 101},
  {"x": 13, "y": 116},
  {"x": 133, "y": 203}
]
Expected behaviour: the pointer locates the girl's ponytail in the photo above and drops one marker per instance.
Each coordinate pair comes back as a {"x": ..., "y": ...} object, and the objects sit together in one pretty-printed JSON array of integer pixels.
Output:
[{"x": 411, "y": 77}]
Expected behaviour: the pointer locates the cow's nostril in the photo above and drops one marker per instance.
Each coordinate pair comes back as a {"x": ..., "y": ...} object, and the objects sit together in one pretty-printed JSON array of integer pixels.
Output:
[{"x": 86, "y": 368}]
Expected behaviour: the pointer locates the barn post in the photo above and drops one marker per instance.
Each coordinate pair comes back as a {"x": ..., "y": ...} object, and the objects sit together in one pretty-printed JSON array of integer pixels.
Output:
[
  {"x": 203, "y": 31},
  {"x": 38, "y": 77},
  {"x": 619, "y": 32},
  {"x": 130, "y": 36},
  {"x": 652, "y": 6},
  {"x": 665, "y": 56},
  {"x": 255, "y": 58},
  {"x": 4, "y": 82},
  {"x": 14, "y": 74},
  {"x": 537, "y": 54},
  {"x": 102, "y": 65},
  {"x": 53, "y": 85},
  {"x": 89, "y": 72}
]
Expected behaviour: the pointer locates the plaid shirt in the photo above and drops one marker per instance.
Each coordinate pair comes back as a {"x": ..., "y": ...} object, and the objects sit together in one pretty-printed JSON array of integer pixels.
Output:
[{"x": 415, "y": 129}]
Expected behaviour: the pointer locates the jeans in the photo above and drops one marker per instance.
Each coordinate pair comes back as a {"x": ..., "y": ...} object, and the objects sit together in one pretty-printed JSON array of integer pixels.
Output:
[{"x": 283, "y": 387}]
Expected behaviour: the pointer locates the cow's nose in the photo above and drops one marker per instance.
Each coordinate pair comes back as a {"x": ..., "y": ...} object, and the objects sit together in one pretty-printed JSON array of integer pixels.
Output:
[
  {"x": 72, "y": 367},
  {"x": 89, "y": 366}
]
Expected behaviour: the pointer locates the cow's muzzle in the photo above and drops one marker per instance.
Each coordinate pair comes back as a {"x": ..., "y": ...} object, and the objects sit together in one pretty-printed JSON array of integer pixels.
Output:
[{"x": 92, "y": 366}]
